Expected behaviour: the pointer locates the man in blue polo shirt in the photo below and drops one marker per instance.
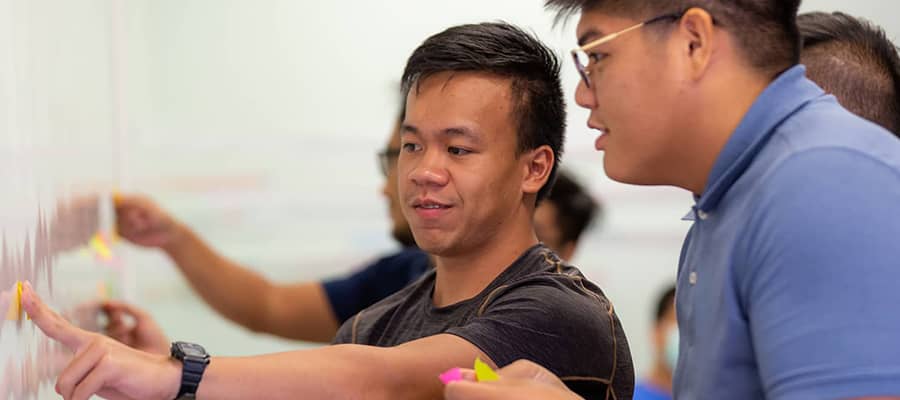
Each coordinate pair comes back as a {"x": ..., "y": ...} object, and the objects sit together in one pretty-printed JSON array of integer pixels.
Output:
[
  {"x": 786, "y": 282},
  {"x": 786, "y": 279}
]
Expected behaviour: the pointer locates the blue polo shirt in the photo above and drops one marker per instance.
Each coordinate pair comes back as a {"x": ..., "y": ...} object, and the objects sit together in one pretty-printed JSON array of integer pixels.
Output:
[{"x": 789, "y": 279}]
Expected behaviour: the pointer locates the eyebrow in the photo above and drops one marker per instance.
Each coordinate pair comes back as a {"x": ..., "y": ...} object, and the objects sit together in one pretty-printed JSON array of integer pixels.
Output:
[
  {"x": 462, "y": 131},
  {"x": 588, "y": 36},
  {"x": 455, "y": 131}
]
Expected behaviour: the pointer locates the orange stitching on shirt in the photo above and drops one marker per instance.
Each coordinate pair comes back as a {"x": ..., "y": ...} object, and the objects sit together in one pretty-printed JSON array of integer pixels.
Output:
[
  {"x": 488, "y": 298},
  {"x": 355, "y": 324},
  {"x": 585, "y": 378},
  {"x": 551, "y": 259},
  {"x": 612, "y": 323}
]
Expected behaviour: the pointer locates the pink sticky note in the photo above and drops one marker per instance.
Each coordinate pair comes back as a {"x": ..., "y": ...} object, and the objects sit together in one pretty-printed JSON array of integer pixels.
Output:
[{"x": 451, "y": 375}]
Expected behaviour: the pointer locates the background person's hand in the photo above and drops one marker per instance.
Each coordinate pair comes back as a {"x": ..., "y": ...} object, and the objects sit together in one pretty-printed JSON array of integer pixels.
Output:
[
  {"x": 101, "y": 365},
  {"x": 142, "y": 222},
  {"x": 135, "y": 328},
  {"x": 521, "y": 380}
]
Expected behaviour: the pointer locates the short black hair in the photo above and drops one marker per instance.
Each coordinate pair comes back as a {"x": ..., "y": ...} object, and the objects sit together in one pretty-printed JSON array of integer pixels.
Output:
[
  {"x": 507, "y": 51},
  {"x": 766, "y": 30},
  {"x": 576, "y": 209},
  {"x": 854, "y": 60},
  {"x": 665, "y": 302}
]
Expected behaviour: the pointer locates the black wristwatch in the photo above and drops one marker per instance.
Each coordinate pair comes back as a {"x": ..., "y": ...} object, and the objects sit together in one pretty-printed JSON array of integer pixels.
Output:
[{"x": 194, "y": 360}]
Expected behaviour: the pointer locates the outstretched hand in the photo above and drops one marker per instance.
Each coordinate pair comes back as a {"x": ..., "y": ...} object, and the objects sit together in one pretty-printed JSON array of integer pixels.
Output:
[
  {"x": 143, "y": 222},
  {"x": 103, "y": 366},
  {"x": 135, "y": 328},
  {"x": 521, "y": 380}
]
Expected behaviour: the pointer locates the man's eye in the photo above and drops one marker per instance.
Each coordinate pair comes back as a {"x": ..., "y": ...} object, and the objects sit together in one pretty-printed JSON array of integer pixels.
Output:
[
  {"x": 411, "y": 147},
  {"x": 596, "y": 57},
  {"x": 456, "y": 151}
]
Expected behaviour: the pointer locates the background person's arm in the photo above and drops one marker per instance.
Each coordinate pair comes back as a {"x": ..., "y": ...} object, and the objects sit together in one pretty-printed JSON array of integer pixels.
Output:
[{"x": 296, "y": 311}]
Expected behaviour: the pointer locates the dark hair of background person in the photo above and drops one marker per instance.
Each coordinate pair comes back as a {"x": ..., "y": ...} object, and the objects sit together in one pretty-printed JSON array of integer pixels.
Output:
[
  {"x": 854, "y": 60},
  {"x": 664, "y": 303},
  {"x": 576, "y": 209}
]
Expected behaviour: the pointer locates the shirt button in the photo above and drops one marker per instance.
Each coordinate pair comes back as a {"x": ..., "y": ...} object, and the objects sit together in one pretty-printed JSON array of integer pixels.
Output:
[
  {"x": 702, "y": 214},
  {"x": 692, "y": 278}
]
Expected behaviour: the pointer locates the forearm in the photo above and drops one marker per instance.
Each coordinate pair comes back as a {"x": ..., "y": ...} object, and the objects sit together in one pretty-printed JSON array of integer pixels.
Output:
[
  {"x": 236, "y": 292},
  {"x": 334, "y": 372},
  {"x": 300, "y": 311}
]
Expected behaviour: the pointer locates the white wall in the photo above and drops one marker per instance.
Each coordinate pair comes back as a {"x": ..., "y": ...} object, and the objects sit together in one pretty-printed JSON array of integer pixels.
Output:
[
  {"x": 881, "y": 12},
  {"x": 59, "y": 159}
]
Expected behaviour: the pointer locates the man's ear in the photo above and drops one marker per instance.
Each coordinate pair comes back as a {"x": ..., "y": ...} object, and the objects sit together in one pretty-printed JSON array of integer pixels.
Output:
[
  {"x": 698, "y": 29},
  {"x": 537, "y": 163}
]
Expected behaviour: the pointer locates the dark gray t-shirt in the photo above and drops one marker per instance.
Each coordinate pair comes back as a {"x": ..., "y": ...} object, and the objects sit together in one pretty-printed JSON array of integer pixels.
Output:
[{"x": 538, "y": 309}]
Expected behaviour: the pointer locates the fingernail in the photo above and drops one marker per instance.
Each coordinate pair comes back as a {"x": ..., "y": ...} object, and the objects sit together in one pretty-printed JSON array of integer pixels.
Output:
[{"x": 451, "y": 375}]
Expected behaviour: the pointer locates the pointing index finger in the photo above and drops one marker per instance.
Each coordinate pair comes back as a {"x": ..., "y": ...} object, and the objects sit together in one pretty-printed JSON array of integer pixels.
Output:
[{"x": 51, "y": 323}]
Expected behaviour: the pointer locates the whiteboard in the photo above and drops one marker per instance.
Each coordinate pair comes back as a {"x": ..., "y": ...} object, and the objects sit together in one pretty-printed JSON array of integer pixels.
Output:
[{"x": 58, "y": 166}]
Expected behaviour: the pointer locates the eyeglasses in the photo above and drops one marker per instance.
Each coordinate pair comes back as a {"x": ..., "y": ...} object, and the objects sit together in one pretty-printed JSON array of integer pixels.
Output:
[
  {"x": 386, "y": 159},
  {"x": 583, "y": 60}
]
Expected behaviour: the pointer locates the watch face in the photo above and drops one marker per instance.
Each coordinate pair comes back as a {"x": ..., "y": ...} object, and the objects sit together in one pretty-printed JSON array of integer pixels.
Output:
[{"x": 192, "y": 350}]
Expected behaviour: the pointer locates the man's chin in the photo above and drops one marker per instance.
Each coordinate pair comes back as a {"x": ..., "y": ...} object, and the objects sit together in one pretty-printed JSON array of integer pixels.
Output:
[
  {"x": 431, "y": 243},
  {"x": 404, "y": 237}
]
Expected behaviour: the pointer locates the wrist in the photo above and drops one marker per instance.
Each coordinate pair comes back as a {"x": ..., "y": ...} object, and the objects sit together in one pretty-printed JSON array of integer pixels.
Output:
[
  {"x": 179, "y": 239},
  {"x": 194, "y": 359},
  {"x": 171, "y": 378}
]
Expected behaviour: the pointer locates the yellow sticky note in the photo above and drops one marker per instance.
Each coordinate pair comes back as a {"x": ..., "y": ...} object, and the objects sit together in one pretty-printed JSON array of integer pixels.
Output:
[
  {"x": 19, "y": 300},
  {"x": 483, "y": 372},
  {"x": 14, "y": 312},
  {"x": 100, "y": 248}
]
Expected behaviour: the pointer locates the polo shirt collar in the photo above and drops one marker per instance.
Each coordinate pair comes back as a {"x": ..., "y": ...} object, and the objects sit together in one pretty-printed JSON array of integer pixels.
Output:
[{"x": 783, "y": 97}]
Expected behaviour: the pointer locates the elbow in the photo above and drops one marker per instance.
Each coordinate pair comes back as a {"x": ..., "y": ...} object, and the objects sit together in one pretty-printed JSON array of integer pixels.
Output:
[{"x": 256, "y": 315}]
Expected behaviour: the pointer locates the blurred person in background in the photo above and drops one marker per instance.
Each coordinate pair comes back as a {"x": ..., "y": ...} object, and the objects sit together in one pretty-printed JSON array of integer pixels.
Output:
[
  {"x": 310, "y": 311},
  {"x": 658, "y": 384},
  {"x": 565, "y": 215}
]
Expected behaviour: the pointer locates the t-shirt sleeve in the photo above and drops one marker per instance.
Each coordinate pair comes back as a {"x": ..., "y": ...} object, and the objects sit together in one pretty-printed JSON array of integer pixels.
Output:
[
  {"x": 821, "y": 295},
  {"x": 556, "y": 324}
]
